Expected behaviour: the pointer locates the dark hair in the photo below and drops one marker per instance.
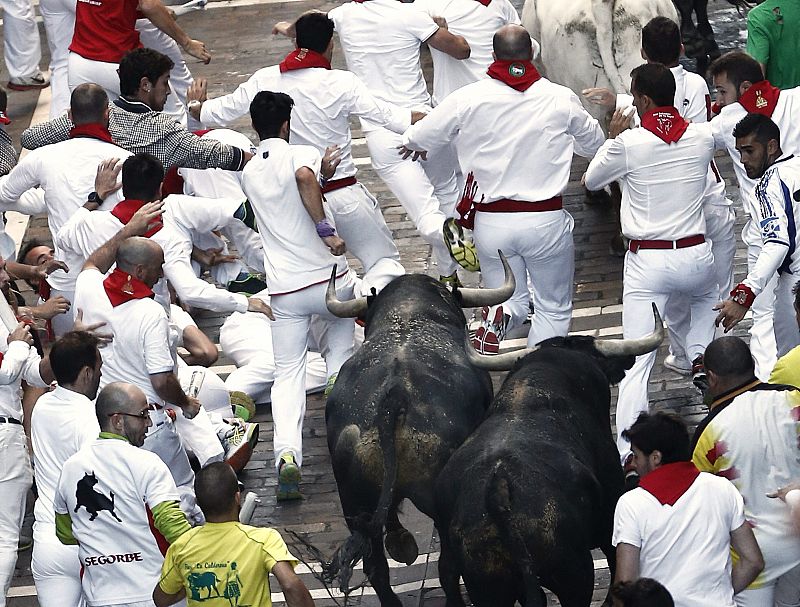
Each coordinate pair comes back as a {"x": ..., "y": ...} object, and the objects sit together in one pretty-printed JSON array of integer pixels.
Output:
[
  {"x": 3, "y": 99},
  {"x": 142, "y": 175},
  {"x": 656, "y": 81},
  {"x": 760, "y": 125},
  {"x": 88, "y": 103},
  {"x": 268, "y": 112},
  {"x": 662, "y": 432},
  {"x": 216, "y": 486},
  {"x": 314, "y": 31},
  {"x": 796, "y": 293},
  {"x": 644, "y": 592},
  {"x": 74, "y": 351},
  {"x": 141, "y": 63},
  {"x": 729, "y": 356},
  {"x": 738, "y": 67},
  {"x": 28, "y": 247},
  {"x": 511, "y": 43},
  {"x": 661, "y": 40}
]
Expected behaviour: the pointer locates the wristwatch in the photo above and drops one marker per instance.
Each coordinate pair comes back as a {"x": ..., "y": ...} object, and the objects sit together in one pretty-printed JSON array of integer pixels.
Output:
[
  {"x": 94, "y": 198},
  {"x": 194, "y": 105}
]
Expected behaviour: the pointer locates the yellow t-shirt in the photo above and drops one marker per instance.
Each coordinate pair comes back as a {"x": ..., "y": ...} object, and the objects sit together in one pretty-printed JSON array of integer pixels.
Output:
[
  {"x": 787, "y": 369},
  {"x": 224, "y": 565}
]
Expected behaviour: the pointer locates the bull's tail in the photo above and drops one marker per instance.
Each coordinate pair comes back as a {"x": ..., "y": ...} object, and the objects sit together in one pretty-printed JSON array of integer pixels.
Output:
[
  {"x": 603, "y": 13},
  {"x": 498, "y": 505},
  {"x": 364, "y": 529}
]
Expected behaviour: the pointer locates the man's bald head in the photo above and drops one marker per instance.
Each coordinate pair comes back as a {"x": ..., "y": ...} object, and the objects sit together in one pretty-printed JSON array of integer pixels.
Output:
[
  {"x": 512, "y": 43},
  {"x": 88, "y": 104},
  {"x": 117, "y": 397},
  {"x": 138, "y": 251}
]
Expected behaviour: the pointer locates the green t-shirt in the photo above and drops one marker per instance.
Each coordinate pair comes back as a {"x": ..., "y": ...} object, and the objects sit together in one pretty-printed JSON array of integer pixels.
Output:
[
  {"x": 224, "y": 565},
  {"x": 773, "y": 38}
]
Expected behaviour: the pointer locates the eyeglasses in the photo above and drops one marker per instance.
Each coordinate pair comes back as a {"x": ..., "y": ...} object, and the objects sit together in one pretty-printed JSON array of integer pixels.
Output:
[{"x": 143, "y": 414}]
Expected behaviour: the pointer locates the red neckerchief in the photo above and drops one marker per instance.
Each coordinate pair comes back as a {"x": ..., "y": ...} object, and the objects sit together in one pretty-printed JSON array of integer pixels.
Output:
[
  {"x": 121, "y": 287},
  {"x": 126, "y": 209},
  {"x": 301, "y": 58},
  {"x": 95, "y": 130},
  {"x": 665, "y": 123},
  {"x": 4, "y": 119},
  {"x": 519, "y": 75},
  {"x": 669, "y": 482},
  {"x": 484, "y": 2},
  {"x": 760, "y": 98}
]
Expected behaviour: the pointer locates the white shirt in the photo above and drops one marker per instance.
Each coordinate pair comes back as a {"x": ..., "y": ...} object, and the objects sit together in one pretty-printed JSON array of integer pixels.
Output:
[
  {"x": 662, "y": 184},
  {"x": 518, "y": 145},
  {"x": 143, "y": 343},
  {"x": 686, "y": 547},
  {"x": 62, "y": 422},
  {"x": 87, "y": 231},
  {"x": 20, "y": 361},
  {"x": 66, "y": 172},
  {"x": 323, "y": 99},
  {"x": 138, "y": 481},
  {"x": 294, "y": 256},
  {"x": 478, "y": 24},
  {"x": 776, "y": 213},
  {"x": 381, "y": 43}
]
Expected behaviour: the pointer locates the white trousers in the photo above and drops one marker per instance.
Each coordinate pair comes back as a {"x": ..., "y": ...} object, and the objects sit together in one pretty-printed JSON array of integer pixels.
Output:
[
  {"x": 538, "y": 245},
  {"x": 21, "y": 44},
  {"x": 59, "y": 23},
  {"x": 15, "y": 480},
  {"x": 56, "y": 572},
  {"x": 787, "y": 333},
  {"x": 763, "y": 346},
  {"x": 252, "y": 353},
  {"x": 290, "y": 331},
  {"x": 427, "y": 189},
  {"x": 783, "y": 592},
  {"x": 720, "y": 232},
  {"x": 62, "y": 323},
  {"x": 360, "y": 223},
  {"x": 653, "y": 276}
]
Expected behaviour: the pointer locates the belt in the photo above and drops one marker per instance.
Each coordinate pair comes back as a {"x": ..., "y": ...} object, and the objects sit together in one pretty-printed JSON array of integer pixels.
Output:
[
  {"x": 338, "y": 184},
  {"x": 506, "y": 205},
  {"x": 682, "y": 243},
  {"x": 9, "y": 420}
]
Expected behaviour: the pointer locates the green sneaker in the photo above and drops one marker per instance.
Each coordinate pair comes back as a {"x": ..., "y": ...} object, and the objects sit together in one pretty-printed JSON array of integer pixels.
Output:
[
  {"x": 288, "y": 478},
  {"x": 461, "y": 250},
  {"x": 329, "y": 384},
  {"x": 452, "y": 281},
  {"x": 242, "y": 405}
]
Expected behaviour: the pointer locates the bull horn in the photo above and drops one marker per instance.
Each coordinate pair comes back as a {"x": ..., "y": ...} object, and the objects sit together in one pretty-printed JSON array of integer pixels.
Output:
[
  {"x": 497, "y": 362},
  {"x": 476, "y": 298},
  {"x": 634, "y": 347},
  {"x": 352, "y": 308}
]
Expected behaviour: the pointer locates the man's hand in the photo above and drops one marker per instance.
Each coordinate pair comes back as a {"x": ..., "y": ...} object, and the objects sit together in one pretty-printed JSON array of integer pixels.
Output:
[
  {"x": 212, "y": 257},
  {"x": 336, "y": 245},
  {"x": 441, "y": 22},
  {"x": 198, "y": 91},
  {"x": 331, "y": 160},
  {"x": 781, "y": 493},
  {"x": 197, "y": 49},
  {"x": 192, "y": 408},
  {"x": 146, "y": 218},
  {"x": 104, "y": 337},
  {"x": 406, "y": 152},
  {"x": 731, "y": 313},
  {"x": 21, "y": 333},
  {"x": 52, "y": 307},
  {"x": 254, "y": 304},
  {"x": 106, "y": 180},
  {"x": 600, "y": 96},
  {"x": 620, "y": 121},
  {"x": 284, "y": 28},
  {"x": 44, "y": 269}
]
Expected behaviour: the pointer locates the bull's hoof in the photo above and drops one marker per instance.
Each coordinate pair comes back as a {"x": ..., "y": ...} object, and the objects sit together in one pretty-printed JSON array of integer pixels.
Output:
[
  {"x": 401, "y": 546},
  {"x": 598, "y": 198}
]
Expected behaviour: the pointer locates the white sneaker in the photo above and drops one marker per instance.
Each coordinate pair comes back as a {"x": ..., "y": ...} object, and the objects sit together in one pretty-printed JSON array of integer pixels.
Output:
[
  {"x": 681, "y": 366},
  {"x": 29, "y": 83}
]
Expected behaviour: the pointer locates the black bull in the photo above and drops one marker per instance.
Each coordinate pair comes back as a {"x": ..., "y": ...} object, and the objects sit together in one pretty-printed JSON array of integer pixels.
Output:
[
  {"x": 698, "y": 39},
  {"x": 523, "y": 501},
  {"x": 400, "y": 407}
]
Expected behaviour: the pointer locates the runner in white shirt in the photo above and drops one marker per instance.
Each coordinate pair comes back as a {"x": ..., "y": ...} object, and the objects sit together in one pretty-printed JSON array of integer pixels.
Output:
[
  {"x": 520, "y": 166},
  {"x": 381, "y": 42},
  {"x": 477, "y": 21},
  {"x": 66, "y": 171},
  {"x": 119, "y": 504},
  {"x": 324, "y": 101},
  {"x": 61, "y": 423},
  {"x": 19, "y": 361},
  {"x": 663, "y": 168},
  {"x": 740, "y": 89},
  {"x": 758, "y": 140},
  {"x": 300, "y": 246}
]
